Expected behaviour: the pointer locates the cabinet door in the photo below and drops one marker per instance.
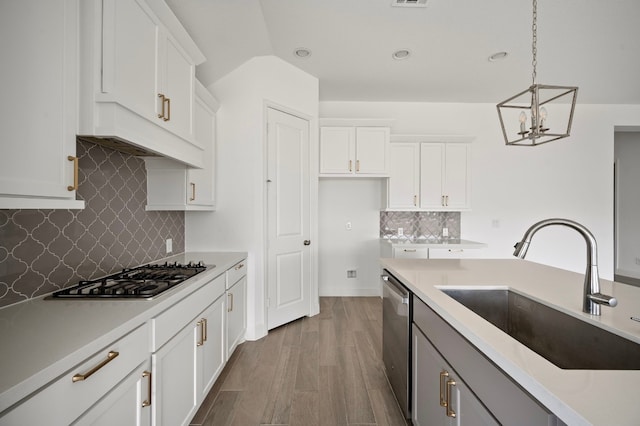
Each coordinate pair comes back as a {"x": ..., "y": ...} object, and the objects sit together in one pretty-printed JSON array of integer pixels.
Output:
[
  {"x": 129, "y": 403},
  {"x": 129, "y": 49},
  {"x": 236, "y": 315},
  {"x": 38, "y": 112},
  {"x": 431, "y": 173},
  {"x": 337, "y": 150},
  {"x": 440, "y": 397},
  {"x": 177, "y": 85},
  {"x": 211, "y": 354},
  {"x": 456, "y": 176},
  {"x": 201, "y": 188},
  {"x": 174, "y": 374},
  {"x": 404, "y": 176},
  {"x": 372, "y": 150}
]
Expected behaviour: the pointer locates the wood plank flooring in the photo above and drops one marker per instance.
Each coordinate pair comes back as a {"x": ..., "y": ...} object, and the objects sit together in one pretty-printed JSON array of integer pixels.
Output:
[{"x": 326, "y": 371}]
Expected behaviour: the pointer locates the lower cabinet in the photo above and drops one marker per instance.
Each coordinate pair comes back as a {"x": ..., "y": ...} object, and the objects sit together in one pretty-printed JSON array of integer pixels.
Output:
[
  {"x": 112, "y": 378},
  {"x": 440, "y": 397},
  {"x": 455, "y": 384},
  {"x": 236, "y": 306},
  {"x": 186, "y": 366}
]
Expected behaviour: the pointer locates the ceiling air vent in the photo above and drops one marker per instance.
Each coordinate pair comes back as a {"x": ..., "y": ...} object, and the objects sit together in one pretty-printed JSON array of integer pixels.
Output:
[{"x": 409, "y": 3}]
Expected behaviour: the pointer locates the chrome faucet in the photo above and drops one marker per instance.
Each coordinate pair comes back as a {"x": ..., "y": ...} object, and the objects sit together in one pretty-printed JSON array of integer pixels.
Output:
[{"x": 592, "y": 297}]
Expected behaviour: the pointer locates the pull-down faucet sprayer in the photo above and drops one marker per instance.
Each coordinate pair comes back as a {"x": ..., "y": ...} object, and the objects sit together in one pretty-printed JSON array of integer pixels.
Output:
[{"x": 592, "y": 298}]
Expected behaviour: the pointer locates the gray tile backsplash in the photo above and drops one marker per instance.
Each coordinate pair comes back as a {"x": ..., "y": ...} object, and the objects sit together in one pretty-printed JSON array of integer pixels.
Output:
[
  {"x": 419, "y": 225},
  {"x": 45, "y": 250}
]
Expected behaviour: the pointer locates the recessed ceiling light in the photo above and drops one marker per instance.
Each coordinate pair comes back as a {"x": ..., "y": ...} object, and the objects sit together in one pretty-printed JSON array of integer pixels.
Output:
[
  {"x": 302, "y": 52},
  {"x": 401, "y": 54},
  {"x": 498, "y": 56}
]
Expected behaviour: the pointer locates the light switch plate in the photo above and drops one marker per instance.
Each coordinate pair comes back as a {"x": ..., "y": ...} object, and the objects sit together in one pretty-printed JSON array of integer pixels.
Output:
[{"x": 169, "y": 245}]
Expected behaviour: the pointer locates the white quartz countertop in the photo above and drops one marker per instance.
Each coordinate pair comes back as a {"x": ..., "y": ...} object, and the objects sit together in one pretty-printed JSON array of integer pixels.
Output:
[
  {"x": 577, "y": 397},
  {"x": 42, "y": 338},
  {"x": 442, "y": 243}
]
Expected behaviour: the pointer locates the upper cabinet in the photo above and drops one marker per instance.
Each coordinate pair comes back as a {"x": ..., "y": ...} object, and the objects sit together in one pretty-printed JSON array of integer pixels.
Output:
[
  {"x": 38, "y": 168},
  {"x": 429, "y": 175},
  {"x": 351, "y": 151},
  {"x": 137, "y": 76},
  {"x": 174, "y": 186}
]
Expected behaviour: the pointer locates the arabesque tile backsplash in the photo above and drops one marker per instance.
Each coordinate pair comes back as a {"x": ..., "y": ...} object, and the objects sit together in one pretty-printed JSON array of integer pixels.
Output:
[
  {"x": 45, "y": 250},
  {"x": 419, "y": 225}
]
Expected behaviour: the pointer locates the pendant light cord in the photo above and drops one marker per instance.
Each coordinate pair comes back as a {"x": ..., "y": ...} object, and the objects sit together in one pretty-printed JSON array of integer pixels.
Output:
[{"x": 534, "y": 49}]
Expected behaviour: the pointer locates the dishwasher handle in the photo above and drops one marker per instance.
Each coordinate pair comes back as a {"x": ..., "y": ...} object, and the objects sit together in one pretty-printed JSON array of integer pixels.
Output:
[{"x": 397, "y": 288}]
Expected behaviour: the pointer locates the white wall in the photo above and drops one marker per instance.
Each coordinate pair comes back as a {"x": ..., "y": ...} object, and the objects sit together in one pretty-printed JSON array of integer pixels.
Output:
[
  {"x": 627, "y": 157},
  {"x": 239, "y": 222},
  {"x": 357, "y": 201},
  {"x": 517, "y": 186}
]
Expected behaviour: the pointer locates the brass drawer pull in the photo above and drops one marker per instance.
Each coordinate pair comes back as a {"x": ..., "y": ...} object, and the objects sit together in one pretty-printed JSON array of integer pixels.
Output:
[
  {"x": 147, "y": 402},
  {"x": 415, "y": 201},
  {"x": 350, "y": 165},
  {"x": 201, "y": 325},
  {"x": 163, "y": 99},
  {"x": 193, "y": 191},
  {"x": 443, "y": 376},
  {"x": 75, "y": 173},
  {"x": 168, "y": 109},
  {"x": 238, "y": 267},
  {"x": 110, "y": 357},
  {"x": 450, "y": 412},
  {"x": 204, "y": 323},
  {"x": 230, "y": 296},
  {"x": 357, "y": 165}
]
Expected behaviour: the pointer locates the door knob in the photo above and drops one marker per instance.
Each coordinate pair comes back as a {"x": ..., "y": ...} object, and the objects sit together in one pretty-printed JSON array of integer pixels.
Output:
[{"x": 307, "y": 242}]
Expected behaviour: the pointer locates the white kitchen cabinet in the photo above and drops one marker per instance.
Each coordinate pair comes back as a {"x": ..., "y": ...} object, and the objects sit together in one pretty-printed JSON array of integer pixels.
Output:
[
  {"x": 114, "y": 373},
  {"x": 410, "y": 252},
  {"x": 39, "y": 109},
  {"x": 440, "y": 397},
  {"x": 351, "y": 151},
  {"x": 236, "y": 306},
  {"x": 129, "y": 403},
  {"x": 445, "y": 176},
  {"x": 456, "y": 253},
  {"x": 403, "y": 186},
  {"x": 137, "y": 78},
  {"x": 174, "y": 186},
  {"x": 188, "y": 344}
]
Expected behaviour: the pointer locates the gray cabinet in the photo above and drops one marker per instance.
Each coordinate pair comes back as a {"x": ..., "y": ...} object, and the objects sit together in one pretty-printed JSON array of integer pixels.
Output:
[{"x": 482, "y": 393}]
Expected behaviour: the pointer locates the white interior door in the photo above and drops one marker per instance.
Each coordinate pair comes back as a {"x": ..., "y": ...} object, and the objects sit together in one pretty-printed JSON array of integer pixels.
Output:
[{"x": 288, "y": 253}]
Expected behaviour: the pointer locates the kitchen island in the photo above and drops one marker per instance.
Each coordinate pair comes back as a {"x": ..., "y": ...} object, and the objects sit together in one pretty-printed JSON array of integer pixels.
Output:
[
  {"x": 577, "y": 397},
  {"x": 42, "y": 339}
]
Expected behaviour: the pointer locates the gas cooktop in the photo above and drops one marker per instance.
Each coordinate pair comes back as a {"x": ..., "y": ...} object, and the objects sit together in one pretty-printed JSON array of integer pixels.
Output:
[{"x": 143, "y": 282}]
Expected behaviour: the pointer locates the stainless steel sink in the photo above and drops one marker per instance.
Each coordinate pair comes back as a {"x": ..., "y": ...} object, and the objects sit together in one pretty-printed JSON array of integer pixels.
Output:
[{"x": 566, "y": 341}]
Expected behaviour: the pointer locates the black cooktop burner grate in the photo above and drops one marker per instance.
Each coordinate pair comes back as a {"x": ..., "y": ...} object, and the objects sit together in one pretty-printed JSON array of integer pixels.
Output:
[{"x": 143, "y": 282}]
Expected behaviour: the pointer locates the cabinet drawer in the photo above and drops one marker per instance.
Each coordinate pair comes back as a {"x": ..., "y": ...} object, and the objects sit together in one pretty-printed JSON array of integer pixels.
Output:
[
  {"x": 455, "y": 253},
  {"x": 236, "y": 272},
  {"x": 410, "y": 253},
  {"x": 170, "y": 322},
  {"x": 64, "y": 400}
]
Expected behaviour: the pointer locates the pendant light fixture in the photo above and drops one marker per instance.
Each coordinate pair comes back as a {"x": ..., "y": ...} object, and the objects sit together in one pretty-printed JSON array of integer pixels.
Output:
[{"x": 540, "y": 114}]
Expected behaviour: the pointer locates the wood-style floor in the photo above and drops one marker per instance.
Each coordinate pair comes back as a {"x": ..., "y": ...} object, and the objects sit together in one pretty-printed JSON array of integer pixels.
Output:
[{"x": 324, "y": 370}]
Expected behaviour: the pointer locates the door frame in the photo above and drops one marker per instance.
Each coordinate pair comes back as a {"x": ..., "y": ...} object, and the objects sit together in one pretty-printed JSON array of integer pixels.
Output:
[{"x": 314, "y": 297}]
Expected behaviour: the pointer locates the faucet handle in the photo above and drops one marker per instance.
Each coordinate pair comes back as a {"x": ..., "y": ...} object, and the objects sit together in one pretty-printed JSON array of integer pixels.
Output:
[{"x": 603, "y": 299}]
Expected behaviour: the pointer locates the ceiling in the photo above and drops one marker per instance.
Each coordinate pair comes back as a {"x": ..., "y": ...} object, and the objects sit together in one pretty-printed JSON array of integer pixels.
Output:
[{"x": 593, "y": 44}]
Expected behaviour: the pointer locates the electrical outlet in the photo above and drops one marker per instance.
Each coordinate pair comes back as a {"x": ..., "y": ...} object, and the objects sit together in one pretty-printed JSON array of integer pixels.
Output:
[
  {"x": 169, "y": 245},
  {"x": 445, "y": 232},
  {"x": 351, "y": 273},
  {"x": 348, "y": 226},
  {"x": 400, "y": 232}
]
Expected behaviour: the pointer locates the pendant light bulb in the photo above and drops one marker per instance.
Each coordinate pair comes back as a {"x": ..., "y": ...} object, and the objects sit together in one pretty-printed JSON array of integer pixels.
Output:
[{"x": 523, "y": 120}]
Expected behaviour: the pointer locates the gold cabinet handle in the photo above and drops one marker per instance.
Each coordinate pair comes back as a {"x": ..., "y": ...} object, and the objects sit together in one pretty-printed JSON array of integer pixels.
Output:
[
  {"x": 204, "y": 324},
  {"x": 443, "y": 376},
  {"x": 162, "y": 99},
  {"x": 193, "y": 191},
  {"x": 230, "y": 307},
  {"x": 409, "y": 250},
  {"x": 200, "y": 324},
  {"x": 238, "y": 267},
  {"x": 415, "y": 201},
  {"x": 147, "y": 402},
  {"x": 357, "y": 165},
  {"x": 350, "y": 164},
  {"x": 168, "y": 117},
  {"x": 442, "y": 200},
  {"x": 110, "y": 357},
  {"x": 450, "y": 412},
  {"x": 446, "y": 200},
  {"x": 75, "y": 173}
]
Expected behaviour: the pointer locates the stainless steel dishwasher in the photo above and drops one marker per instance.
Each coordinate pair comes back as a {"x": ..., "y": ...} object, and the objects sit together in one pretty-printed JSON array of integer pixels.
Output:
[{"x": 396, "y": 338}]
